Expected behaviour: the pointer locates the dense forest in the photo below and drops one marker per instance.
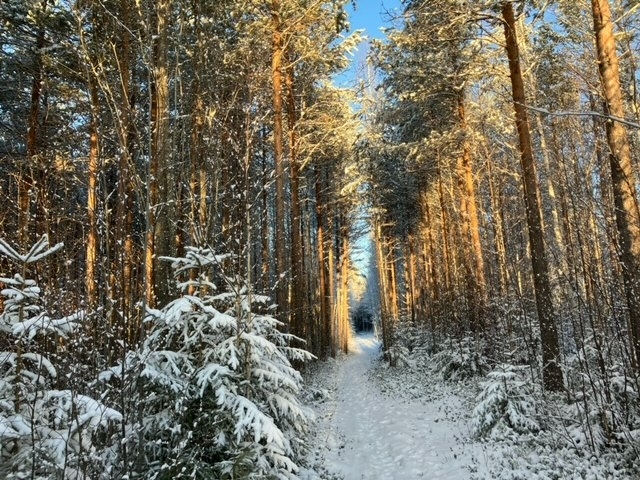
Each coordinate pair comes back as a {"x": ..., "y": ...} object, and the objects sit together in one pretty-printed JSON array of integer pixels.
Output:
[{"x": 184, "y": 187}]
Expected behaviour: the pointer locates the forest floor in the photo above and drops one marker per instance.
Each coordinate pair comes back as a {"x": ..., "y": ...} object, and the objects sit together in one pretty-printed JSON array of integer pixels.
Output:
[{"x": 375, "y": 426}]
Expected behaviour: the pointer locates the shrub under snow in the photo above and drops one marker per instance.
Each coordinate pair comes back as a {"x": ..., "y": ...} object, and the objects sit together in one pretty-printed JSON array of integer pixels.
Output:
[
  {"x": 221, "y": 394},
  {"x": 45, "y": 431},
  {"x": 507, "y": 402}
]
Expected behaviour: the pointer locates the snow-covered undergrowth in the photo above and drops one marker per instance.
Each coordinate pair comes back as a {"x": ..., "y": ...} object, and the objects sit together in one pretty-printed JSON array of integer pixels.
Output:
[
  {"x": 48, "y": 429},
  {"x": 508, "y": 402},
  {"x": 588, "y": 432},
  {"x": 209, "y": 393}
]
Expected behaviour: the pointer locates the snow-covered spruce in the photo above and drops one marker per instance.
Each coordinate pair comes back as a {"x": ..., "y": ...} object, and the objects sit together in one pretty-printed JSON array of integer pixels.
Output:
[
  {"x": 507, "y": 401},
  {"x": 460, "y": 359},
  {"x": 221, "y": 395},
  {"x": 45, "y": 431}
]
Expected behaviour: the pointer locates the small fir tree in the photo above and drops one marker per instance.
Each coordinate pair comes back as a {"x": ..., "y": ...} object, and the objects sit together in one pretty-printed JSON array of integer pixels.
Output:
[
  {"x": 219, "y": 387},
  {"x": 47, "y": 430}
]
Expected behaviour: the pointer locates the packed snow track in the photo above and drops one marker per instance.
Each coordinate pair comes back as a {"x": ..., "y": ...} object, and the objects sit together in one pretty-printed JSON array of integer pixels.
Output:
[{"x": 365, "y": 434}]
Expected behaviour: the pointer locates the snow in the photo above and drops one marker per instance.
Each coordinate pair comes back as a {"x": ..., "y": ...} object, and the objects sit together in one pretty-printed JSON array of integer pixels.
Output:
[{"x": 365, "y": 433}]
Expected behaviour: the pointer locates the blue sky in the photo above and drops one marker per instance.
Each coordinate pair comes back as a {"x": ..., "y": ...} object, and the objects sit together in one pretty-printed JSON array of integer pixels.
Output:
[{"x": 370, "y": 16}]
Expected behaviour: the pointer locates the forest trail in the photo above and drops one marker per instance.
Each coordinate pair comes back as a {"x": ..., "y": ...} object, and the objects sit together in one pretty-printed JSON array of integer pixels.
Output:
[{"x": 368, "y": 434}]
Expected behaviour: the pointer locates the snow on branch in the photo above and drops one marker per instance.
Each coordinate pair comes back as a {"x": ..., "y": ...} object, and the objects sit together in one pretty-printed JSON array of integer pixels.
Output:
[{"x": 37, "y": 252}]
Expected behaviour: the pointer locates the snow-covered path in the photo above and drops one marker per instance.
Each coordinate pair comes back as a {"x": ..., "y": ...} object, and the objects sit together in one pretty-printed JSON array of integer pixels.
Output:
[{"x": 366, "y": 434}]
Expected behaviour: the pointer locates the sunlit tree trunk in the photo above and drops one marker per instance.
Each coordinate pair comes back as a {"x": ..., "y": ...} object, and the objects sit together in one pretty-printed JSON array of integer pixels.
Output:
[
  {"x": 382, "y": 287},
  {"x": 552, "y": 375},
  {"x": 622, "y": 171},
  {"x": 331, "y": 257},
  {"x": 470, "y": 224},
  {"x": 343, "y": 294},
  {"x": 323, "y": 273},
  {"x": 91, "y": 280},
  {"x": 282, "y": 292}
]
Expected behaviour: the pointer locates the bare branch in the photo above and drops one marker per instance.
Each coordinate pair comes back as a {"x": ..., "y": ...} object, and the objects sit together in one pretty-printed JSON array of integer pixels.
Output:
[{"x": 568, "y": 113}]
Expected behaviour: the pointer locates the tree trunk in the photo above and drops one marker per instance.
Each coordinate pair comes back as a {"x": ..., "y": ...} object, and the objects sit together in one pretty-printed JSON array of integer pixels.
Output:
[
  {"x": 26, "y": 180},
  {"x": 92, "y": 202},
  {"x": 332, "y": 281},
  {"x": 158, "y": 235},
  {"x": 622, "y": 173},
  {"x": 265, "y": 226},
  {"x": 197, "y": 177},
  {"x": 471, "y": 225},
  {"x": 282, "y": 292},
  {"x": 122, "y": 245},
  {"x": 344, "y": 292},
  {"x": 297, "y": 253},
  {"x": 323, "y": 273},
  {"x": 445, "y": 234},
  {"x": 552, "y": 375},
  {"x": 432, "y": 271},
  {"x": 382, "y": 287}
]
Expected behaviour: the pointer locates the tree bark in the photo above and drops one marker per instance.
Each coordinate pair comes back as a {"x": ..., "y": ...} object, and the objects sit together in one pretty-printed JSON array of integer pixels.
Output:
[
  {"x": 26, "y": 180},
  {"x": 552, "y": 375},
  {"x": 471, "y": 224},
  {"x": 298, "y": 278},
  {"x": 123, "y": 246},
  {"x": 158, "y": 235},
  {"x": 622, "y": 172},
  {"x": 282, "y": 292},
  {"x": 92, "y": 202},
  {"x": 323, "y": 273}
]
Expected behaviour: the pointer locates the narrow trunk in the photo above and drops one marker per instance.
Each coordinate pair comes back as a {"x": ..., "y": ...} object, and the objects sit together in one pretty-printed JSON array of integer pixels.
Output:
[
  {"x": 382, "y": 287},
  {"x": 332, "y": 283},
  {"x": 298, "y": 314},
  {"x": 445, "y": 234},
  {"x": 323, "y": 274},
  {"x": 92, "y": 202},
  {"x": 432, "y": 271},
  {"x": 498, "y": 229},
  {"x": 266, "y": 231},
  {"x": 198, "y": 216},
  {"x": 410, "y": 270},
  {"x": 344, "y": 293},
  {"x": 26, "y": 180},
  {"x": 122, "y": 245},
  {"x": 282, "y": 291},
  {"x": 393, "y": 284},
  {"x": 471, "y": 224},
  {"x": 158, "y": 234}
]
